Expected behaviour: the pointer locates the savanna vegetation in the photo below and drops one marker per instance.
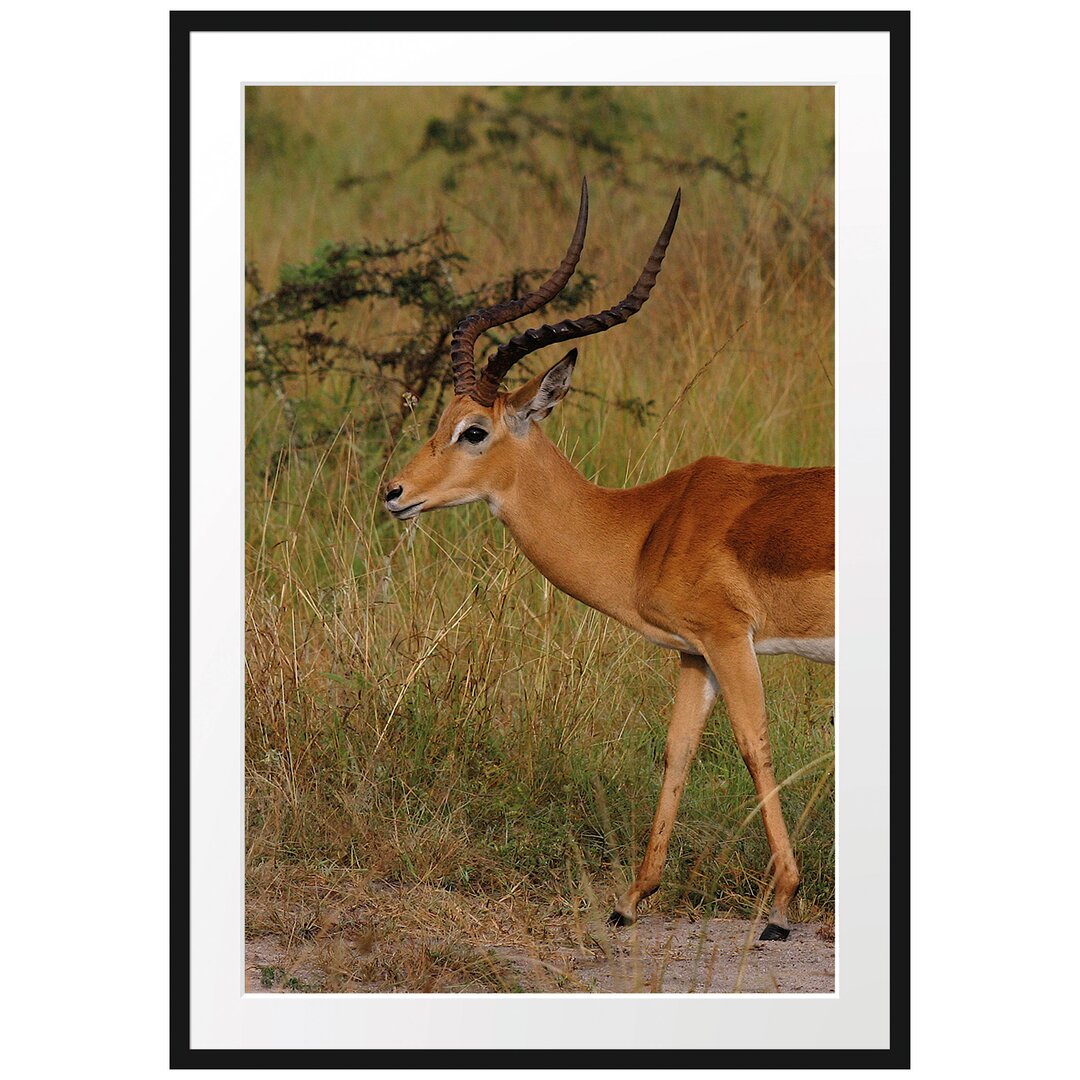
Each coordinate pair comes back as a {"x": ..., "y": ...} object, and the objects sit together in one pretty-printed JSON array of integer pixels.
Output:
[{"x": 446, "y": 756}]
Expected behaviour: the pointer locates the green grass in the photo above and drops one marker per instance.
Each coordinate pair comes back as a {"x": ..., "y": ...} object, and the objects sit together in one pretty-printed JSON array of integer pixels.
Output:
[{"x": 424, "y": 710}]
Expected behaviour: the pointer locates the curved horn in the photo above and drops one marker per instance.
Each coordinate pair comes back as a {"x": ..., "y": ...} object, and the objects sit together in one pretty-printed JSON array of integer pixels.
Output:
[
  {"x": 517, "y": 347},
  {"x": 463, "y": 342}
]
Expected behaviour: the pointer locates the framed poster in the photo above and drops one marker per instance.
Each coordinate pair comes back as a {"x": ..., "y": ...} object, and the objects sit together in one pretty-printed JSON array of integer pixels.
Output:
[{"x": 413, "y": 780}]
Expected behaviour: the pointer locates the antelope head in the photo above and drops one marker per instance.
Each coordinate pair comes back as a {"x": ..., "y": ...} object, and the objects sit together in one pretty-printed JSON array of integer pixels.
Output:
[{"x": 484, "y": 436}]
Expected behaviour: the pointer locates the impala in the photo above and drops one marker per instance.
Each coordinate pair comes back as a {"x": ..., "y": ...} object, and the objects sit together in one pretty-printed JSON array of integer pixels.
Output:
[{"x": 718, "y": 560}]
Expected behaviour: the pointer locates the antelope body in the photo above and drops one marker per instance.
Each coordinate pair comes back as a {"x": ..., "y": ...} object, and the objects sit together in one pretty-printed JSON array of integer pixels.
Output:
[{"x": 718, "y": 560}]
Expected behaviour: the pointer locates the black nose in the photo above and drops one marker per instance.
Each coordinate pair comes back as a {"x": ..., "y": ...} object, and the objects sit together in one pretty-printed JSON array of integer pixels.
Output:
[{"x": 394, "y": 492}]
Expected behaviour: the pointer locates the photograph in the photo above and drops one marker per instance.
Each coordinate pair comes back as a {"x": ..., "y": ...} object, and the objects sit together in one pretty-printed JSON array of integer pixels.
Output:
[{"x": 540, "y": 653}]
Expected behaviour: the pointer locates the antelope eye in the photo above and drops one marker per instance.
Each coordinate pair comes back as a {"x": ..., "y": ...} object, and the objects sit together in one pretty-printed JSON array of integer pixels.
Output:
[{"x": 474, "y": 435}]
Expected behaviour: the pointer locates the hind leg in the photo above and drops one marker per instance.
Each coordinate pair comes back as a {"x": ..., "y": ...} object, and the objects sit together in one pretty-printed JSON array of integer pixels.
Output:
[{"x": 694, "y": 700}]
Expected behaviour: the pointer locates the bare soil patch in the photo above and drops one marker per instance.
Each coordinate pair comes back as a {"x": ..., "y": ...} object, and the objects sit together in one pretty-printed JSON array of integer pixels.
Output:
[
  {"x": 656, "y": 955},
  {"x": 718, "y": 956}
]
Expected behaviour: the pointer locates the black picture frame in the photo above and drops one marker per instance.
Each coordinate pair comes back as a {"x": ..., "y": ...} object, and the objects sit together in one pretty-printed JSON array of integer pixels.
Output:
[{"x": 896, "y": 24}]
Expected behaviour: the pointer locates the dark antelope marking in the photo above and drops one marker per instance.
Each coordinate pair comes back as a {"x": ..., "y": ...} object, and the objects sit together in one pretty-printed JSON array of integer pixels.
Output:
[{"x": 787, "y": 531}]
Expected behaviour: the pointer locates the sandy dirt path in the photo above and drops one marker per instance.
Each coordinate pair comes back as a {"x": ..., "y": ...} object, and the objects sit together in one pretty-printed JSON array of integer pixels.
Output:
[{"x": 657, "y": 955}]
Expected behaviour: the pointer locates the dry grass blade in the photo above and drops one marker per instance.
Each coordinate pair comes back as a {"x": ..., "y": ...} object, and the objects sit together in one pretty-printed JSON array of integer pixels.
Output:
[{"x": 450, "y": 766}]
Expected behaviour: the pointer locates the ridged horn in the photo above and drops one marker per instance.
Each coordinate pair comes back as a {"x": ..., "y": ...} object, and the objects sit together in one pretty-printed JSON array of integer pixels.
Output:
[
  {"x": 507, "y": 355},
  {"x": 463, "y": 342}
]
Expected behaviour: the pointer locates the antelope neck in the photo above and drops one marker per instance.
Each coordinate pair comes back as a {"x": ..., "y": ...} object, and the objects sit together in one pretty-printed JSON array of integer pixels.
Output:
[{"x": 580, "y": 536}]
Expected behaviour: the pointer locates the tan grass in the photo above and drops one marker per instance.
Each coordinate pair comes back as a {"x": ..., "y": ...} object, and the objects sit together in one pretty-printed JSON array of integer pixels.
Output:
[{"x": 443, "y": 752}]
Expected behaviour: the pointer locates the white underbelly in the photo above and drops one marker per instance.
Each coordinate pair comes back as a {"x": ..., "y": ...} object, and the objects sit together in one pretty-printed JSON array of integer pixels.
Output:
[
  {"x": 666, "y": 640},
  {"x": 821, "y": 649}
]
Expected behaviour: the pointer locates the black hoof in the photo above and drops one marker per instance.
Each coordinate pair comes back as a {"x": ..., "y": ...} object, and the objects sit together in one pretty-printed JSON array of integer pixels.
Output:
[
  {"x": 772, "y": 932},
  {"x": 617, "y": 918}
]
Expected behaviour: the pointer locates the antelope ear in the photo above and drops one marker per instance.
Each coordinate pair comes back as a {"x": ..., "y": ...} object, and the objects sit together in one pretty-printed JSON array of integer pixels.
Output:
[{"x": 539, "y": 396}]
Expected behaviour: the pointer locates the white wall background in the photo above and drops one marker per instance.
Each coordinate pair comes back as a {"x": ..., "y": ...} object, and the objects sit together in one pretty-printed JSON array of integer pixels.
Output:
[{"x": 994, "y": 379}]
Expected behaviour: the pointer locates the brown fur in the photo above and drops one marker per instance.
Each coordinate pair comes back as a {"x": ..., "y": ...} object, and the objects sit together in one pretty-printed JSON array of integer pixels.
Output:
[{"x": 704, "y": 560}]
